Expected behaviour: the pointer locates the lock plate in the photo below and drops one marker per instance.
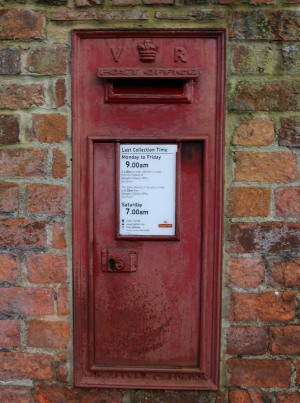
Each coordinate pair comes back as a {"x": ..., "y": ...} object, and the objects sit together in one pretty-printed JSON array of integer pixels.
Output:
[{"x": 118, "y": 260}]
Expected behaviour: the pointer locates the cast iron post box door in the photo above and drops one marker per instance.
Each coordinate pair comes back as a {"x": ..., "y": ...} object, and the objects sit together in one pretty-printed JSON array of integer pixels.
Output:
[{"x": 148, "y": 144}]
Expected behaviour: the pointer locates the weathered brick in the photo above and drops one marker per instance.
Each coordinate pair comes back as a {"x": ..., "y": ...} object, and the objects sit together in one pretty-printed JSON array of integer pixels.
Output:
[
  {"x": 60, "y": 92},
  {"x": 50, "y": 128},
  {"x": 284, "y": 272},
  {"x": 22, "y": 162},
  {"x": 287, "y": 201},
  {"x": 254, "y": 132},
  {"x": 44, "y": 334},
  {"x": 289, "y": 133},
  {"x": 291, "y": 59},
  {"x": 47, "y": 60},
  {"x": 46, "y": 199},
  {"x": 259, "y": 373},
  {"x": 9, "y": 129},
  {"x": 84, "y": 3},
  {"x": 9, "y": 334},
  {"x": 61, "y": 368},
  {"x": 47, "y": 268},
  {"x": 251, "y": 396},
  {"x": 253, "y": 95},
  {"x": 20, "y": 96},
  {"x": 292, "y": 397},
  {"x": 285, "y": 340},
  {"x": 21, "y": 23},
  {"x": 265, "y": 307},
  {"x": 247, "y": 272},
  {"x": 10, "y": 60},
  {"x": 98, "y": 15},
  {"x": 9, "y": 268},
  {"x": 25, "y": 366},
  {"x": 21, "y": 301},
  {"x": 22, "y": 233},
  {"x": 266, "y": 237},
  {"x": 62, "y": 393},
  {"x": 59, "y": 166},
  {"x": 266, "y": 166},
  {"x": 175, "y": 396},
  {"x": 53, "y": 2},
  {"x": 249, "y": 202},
  {"x": 158, "y": 1},
  {"x": 265, "y": 24},
  {"x": 15, "y": 394},
  {"x": 9, "y": 193},
  {"x": 252, "y": 59},
  {"x": 58, "y": 236},
  {"x": 126, "y": 2},
  {"x": 246, "y": 340},
  {"x": 63, "y": 307}
]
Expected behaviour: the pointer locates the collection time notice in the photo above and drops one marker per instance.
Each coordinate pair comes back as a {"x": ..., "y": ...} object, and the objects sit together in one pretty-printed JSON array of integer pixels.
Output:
[{"x": 147, "y": 189}]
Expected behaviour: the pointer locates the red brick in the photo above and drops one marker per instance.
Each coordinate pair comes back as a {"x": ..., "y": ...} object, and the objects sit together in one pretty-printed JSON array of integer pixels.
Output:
[
  {"x": 21, "y": 24},
  {"x": 9, "y": 333},
  {"x": 293, "y": 397},
  {"x": 10, "y": 60},
  {"x": 285, "y": 340},
  {"x": 50, "y": 128},
  {"x": 285, "y": 273},
  {"x": 289, "y": 133},
  {"x": 298, "y": 371},
  {"x": 254, "y": 132},
  {"x": 9, "y": 193},
  {"x": 22, "y": 162},
  {"x": 259, "y": 373},
  {"x": 84, "y": 3},
  {"x": 44, "y": 334},
  {"x": 264, "y": 307},
  {"x": 58, "y": 236},
  {"x": 287, "y": 201},
  {"x": 251, "y": 396},
  {"x": 266, "y": 166},
  {"x": 61, "y": 368},
  {"x": 59, "y": 166},
  {"x": 63, "y": 302},
  {"x": 245, "y": 273},
  {"x": 249, "y": 202},
  {"x": 9, "y": 129},
  {"x": 9, "y": 268},
  {"x": 47, "y": 268},
  {"x": 46, "y": 199},
  {"x": 278, "y": 96},
  {"x": 47, "y": 60},
  {"x": 265, "y": 237},
  {"x": 246, "y": 340},
  {"x": 22, "y": 233},
  {"x": 15, "y": 394},
  {"x": 63, "y": 393},
  {"x": 20, "y": 301},
  {"x": 20, "y": 96},
  {"x": 60, "y": 92},
  {"x": 256, "y": 24},
  {"x": 25, "y": 366}
]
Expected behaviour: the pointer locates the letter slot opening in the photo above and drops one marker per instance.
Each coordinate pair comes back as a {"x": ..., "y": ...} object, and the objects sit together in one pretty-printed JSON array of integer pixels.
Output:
[{"x": 148, "y": 90}]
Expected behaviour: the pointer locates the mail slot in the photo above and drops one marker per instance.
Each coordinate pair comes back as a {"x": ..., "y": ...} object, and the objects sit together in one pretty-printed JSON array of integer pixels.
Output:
[{"x": 147, "y": 202}]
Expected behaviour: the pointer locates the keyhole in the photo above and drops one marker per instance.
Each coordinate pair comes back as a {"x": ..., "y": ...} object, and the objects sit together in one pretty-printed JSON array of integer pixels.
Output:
[{"x": 112, "y": 264}]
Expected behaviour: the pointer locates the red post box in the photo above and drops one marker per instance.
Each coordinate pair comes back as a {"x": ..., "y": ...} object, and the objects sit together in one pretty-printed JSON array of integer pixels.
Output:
[{"x": 147, "y": 180}]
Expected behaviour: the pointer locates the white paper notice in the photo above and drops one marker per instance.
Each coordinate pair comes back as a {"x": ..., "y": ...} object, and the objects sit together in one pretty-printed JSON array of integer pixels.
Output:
[{"x": 147, "y": 189}]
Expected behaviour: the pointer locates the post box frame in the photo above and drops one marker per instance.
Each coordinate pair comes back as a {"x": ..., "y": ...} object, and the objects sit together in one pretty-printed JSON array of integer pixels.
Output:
[{"x": 87, "y": 374}]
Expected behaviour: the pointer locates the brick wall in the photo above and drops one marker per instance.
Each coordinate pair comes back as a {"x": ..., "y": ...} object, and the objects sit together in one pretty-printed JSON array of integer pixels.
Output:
[{"x": 261, "y": 333}]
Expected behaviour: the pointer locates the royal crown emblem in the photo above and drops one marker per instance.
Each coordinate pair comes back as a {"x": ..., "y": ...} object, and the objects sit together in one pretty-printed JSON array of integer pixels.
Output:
[{"x": 147, "y": 51}]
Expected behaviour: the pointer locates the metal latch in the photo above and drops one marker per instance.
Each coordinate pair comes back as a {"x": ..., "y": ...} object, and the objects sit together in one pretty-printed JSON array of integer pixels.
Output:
[{"x": 118, "y": 260}]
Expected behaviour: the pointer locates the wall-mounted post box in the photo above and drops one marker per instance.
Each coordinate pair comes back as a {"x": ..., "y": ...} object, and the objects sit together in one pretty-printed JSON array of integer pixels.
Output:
[{"x": 147, "y": 164}]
